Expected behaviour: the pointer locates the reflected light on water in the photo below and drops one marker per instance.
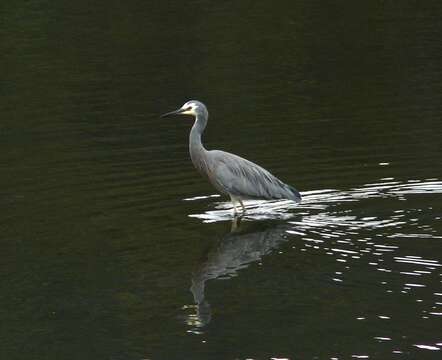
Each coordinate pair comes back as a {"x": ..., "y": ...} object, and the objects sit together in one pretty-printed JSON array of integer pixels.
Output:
[
  {"x": 427, "y": 347},
  {"x": 337, "y": 224},
  {"x": 322, "y": 199}
]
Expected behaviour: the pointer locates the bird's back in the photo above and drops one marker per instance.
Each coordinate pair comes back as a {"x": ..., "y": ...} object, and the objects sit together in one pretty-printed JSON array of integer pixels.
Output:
[{"x": 234, "y": 175}]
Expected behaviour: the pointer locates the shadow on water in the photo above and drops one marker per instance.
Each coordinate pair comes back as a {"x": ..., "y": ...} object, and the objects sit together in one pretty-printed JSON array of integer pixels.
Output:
[
  {"x": 243, "y": 245},
  {"x": 370, "y": 250}
]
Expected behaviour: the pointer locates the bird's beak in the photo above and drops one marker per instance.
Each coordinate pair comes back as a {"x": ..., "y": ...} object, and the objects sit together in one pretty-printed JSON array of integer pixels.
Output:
[{"x": 175, "y": 112}]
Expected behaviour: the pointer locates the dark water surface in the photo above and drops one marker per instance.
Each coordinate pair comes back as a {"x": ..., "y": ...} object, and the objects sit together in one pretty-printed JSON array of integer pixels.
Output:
[{"x": 112, "y": 245}]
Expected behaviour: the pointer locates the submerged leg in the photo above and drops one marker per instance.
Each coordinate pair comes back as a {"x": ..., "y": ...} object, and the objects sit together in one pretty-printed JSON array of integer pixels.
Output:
[{"x": 235, "y": 222}]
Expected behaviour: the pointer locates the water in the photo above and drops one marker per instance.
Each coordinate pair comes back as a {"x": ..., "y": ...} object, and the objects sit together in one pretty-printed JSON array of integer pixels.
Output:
[{"x": 114, "y": 248}]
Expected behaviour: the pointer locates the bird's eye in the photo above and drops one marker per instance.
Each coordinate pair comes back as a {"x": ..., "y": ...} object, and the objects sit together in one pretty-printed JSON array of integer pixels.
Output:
[{"x": 189, "y": 108}]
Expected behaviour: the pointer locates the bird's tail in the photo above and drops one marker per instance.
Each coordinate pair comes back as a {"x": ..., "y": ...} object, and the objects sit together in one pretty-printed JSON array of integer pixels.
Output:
[{"x": 296, "y": 195}]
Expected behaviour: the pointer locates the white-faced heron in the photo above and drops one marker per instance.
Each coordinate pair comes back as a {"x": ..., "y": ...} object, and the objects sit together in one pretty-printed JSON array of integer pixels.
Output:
[{"x": 230, "y": 174}]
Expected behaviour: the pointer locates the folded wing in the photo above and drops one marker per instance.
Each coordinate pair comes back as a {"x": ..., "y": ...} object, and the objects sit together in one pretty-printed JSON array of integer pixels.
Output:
[{"x": 242, "y": 178}]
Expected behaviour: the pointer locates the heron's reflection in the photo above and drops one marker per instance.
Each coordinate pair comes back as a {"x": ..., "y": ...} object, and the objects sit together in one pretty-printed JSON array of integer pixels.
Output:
[{"x": 244, "y": 244}]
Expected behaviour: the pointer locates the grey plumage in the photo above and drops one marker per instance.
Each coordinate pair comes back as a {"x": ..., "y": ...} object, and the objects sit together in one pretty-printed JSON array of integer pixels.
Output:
[
  {"x": 231, "y": 174},
  {"x": 247, "y": 180}
]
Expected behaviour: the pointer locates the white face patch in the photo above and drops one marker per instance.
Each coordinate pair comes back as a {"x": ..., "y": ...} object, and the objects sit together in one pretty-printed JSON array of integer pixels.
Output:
[{"x": 190, "y": 108}]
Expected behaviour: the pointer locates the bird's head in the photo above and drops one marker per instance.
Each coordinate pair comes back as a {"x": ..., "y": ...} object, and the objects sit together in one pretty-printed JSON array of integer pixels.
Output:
[{"x": 192, "y": 107}]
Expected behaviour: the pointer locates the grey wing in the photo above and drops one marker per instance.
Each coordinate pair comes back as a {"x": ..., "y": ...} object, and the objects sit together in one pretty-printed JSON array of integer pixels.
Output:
[{"x": 243, "y": 178}]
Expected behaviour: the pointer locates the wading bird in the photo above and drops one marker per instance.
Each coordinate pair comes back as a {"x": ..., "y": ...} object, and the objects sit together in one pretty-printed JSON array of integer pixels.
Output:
[{"x": 231, "y": 174}]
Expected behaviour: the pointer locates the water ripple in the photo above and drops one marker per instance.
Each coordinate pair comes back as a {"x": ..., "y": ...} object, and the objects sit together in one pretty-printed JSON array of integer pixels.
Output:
[
  {"x": 321, "y": 200},
  {"x": 345, "y": 227}
]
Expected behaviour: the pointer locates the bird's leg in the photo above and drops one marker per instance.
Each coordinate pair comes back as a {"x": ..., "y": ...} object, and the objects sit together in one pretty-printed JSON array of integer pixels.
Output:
[
  {"x": 233, "y": 200},
  {"x": 243, "y": 207},
  {"x": 235, "y": 212}
]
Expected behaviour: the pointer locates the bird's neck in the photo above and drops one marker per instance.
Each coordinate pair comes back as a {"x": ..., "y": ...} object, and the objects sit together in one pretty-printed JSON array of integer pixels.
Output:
[{"x": 196, "y": 147}]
